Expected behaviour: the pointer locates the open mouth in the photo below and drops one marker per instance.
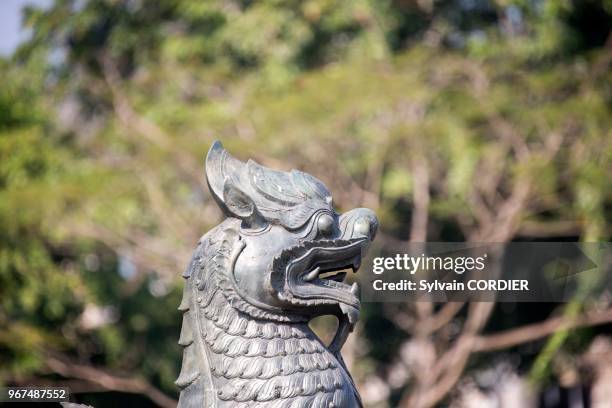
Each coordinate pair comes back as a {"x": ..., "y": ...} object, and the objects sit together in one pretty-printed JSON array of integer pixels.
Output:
[
  {"x": 314, "y": 273},
  {"x": 333, "y": 276},
  {"x": 324, "y": 268},
  {"x": 328, "y": 268}
]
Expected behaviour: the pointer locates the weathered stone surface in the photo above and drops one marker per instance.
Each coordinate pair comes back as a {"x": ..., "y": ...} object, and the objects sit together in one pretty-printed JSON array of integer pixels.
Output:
[{"x": 254, "y": 283}]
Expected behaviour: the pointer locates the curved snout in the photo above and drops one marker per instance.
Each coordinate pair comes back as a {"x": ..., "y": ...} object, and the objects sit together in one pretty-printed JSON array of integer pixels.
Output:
[{"x": 358, "y": 223}]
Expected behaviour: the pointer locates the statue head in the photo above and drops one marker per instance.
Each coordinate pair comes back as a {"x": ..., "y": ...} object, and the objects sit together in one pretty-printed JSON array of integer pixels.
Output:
[{"x": 295, "y": 250}]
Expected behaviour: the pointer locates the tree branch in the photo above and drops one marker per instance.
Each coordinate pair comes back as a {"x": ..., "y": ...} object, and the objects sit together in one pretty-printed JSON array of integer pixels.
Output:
[
  {"x": 547, "y": 229},
  {"x": 420, "y": 197},
  {"x": 535, "y": 331},
  {"x": 109, "y": 381},
  {"x": 443, "y": 316}
]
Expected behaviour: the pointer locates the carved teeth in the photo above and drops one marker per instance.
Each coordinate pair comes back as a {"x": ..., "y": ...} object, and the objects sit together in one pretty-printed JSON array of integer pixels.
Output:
[
  {"x": 312, "y": 275},
  {"x": 355, "y": 289}
]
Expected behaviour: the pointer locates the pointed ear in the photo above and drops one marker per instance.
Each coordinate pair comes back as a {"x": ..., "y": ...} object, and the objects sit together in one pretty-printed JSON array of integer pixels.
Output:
[{"x": 240, "y": 204}]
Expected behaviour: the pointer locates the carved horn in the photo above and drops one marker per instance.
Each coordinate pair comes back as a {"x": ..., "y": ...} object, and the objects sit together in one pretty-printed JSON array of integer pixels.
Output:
[
  {"x": 227, "y": 180},
  {"x": 221, "y": 166}
]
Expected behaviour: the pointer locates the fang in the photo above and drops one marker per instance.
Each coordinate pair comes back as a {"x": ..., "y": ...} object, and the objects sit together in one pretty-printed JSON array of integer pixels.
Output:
[{"x": 312, "y": 275}]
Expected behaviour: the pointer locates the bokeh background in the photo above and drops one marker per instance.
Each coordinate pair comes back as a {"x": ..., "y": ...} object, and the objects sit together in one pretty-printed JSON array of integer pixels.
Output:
[{"x": 455, "y": 120}]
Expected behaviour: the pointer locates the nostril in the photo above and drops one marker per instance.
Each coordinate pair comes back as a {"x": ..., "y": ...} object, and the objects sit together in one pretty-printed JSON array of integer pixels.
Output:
[
  {"x": 362, "y": 227},
  {"x": 358, "y": 223}
]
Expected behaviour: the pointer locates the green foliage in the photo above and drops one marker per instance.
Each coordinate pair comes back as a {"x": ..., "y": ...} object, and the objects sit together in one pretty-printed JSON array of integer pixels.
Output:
[{"x": 107, "y": 111}]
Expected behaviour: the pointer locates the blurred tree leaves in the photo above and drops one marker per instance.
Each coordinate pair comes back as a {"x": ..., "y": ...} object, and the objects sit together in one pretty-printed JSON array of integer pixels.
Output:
[{"x": 107, "y": 111}]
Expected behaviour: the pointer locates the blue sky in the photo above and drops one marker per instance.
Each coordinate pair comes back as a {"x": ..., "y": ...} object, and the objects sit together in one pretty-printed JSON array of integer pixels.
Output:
[{"x": 11, "y": 33}]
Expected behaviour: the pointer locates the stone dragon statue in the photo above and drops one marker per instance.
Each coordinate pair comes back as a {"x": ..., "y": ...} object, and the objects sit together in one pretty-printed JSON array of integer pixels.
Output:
[{"x": 256, "y": 280}]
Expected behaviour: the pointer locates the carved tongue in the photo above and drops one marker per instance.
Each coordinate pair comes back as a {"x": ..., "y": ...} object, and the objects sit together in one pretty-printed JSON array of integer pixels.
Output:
[{"x": 346, "y": 324}]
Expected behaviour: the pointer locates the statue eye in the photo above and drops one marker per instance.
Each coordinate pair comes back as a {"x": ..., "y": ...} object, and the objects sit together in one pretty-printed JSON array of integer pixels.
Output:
[{"x": 325, "y": 223}]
